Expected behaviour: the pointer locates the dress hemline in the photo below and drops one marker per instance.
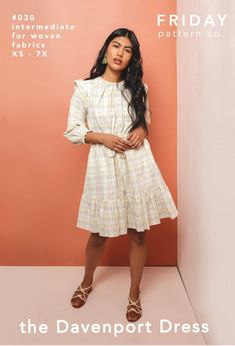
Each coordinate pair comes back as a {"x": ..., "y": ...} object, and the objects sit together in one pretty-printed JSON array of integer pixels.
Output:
[{"x": 79, "y": 227}]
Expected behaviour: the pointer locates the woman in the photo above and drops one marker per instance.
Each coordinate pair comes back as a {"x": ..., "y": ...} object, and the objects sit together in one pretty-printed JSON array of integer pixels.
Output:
[{"x": 124, "y": 192}]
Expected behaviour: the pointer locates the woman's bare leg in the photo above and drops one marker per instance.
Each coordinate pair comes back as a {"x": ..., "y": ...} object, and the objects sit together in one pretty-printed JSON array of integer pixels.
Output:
[
  {"x": 137, "y": 256},
  {"x": 94, "y": 250}
]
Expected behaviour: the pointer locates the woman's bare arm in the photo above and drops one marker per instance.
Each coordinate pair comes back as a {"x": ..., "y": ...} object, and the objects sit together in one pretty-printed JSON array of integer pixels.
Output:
[
  {"x": 111, "y": 141},
  {"x": 94, "y": 137}
]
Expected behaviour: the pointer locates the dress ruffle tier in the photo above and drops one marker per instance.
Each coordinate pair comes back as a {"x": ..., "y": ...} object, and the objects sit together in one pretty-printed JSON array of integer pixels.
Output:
[{"x": 111, "y": 218}]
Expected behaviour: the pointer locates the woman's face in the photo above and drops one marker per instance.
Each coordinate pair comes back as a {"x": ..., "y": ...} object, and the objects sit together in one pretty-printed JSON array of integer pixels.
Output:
[{"x": 119, "y": 53}]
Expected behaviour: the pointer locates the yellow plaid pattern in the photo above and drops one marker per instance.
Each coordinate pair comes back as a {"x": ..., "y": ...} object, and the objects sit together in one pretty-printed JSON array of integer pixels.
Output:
[{"x": 120, "y": 190}]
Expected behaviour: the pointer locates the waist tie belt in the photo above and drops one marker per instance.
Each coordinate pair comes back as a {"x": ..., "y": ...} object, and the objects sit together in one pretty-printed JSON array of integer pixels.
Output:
[{"x": 110, "y": 152}]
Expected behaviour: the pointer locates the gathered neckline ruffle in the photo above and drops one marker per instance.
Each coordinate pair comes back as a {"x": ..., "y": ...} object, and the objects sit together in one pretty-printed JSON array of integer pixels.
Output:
[{"x": 109, "y": 83}]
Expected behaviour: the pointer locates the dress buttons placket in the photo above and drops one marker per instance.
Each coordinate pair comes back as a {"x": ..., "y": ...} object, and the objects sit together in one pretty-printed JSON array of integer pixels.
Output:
[{"x": 121, "y": 163}]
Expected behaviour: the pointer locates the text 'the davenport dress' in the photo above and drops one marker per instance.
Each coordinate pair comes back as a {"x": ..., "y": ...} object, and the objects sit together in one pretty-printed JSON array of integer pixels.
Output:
[{"x": 121, "y": 190}]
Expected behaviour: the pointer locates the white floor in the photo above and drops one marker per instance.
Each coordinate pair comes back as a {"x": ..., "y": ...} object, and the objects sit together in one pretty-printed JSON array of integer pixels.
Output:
[{"x": 41, "y": 295}]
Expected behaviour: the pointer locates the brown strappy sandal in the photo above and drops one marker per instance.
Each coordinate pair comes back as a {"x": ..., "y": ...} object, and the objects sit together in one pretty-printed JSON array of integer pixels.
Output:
[
  {"x": 80, "y": 296},
  {"x": 132, "y": 306}
]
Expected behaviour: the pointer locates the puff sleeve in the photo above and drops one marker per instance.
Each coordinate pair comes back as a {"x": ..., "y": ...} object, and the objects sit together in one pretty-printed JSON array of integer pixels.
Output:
[
  {"x": 76, "y": 125},
  {"x": 147, "y": 113}
]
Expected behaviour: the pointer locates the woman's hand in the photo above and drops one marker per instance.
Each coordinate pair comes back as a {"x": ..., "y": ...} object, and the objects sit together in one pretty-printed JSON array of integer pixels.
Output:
[
  {"x": 115, "y": 142},
  {"x": 136, "y": 137}
]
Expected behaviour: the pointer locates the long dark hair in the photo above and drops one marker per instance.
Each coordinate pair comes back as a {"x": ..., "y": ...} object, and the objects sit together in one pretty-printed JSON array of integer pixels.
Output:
[{"x": 132, "y": 76}]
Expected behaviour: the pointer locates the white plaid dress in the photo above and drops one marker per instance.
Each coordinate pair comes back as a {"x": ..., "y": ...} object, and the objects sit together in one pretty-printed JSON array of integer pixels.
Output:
[{"x": 121, "y": 190}]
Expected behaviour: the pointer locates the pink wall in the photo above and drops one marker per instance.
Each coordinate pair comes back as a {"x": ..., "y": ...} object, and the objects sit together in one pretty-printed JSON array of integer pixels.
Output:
[{"x": 42, "y": 173}]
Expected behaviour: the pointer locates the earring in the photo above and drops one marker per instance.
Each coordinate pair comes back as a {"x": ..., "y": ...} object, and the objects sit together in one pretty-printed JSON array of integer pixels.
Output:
[
  {"x": 104, "y": 61},
  {"x": 128, "y": 73}
]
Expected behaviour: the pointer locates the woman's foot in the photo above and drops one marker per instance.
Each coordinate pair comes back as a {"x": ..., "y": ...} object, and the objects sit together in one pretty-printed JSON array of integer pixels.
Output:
[
  {"x": 134, "y": 310},
  {"x": 80, "y": 296}
]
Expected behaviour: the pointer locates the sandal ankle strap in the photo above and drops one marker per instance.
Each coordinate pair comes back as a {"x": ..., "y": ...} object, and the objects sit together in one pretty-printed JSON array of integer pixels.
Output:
[
  {"x": 81, "y": 293},
  {"x": 132, "y": 302},
  {"x": 84, "y": 288},
  {"x": 136, "y": 308}
]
